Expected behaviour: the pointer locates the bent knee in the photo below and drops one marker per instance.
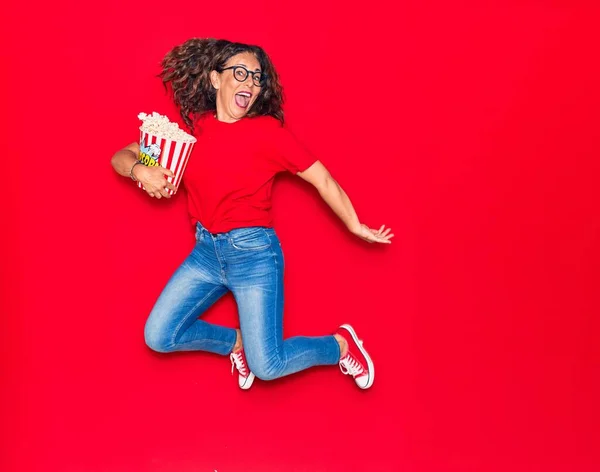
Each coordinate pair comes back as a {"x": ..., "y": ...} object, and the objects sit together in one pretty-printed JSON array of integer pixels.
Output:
[
  {"x": 266, "y": 370},
  {"x": 157, "y": 341},
  {"x": 265, "y": 375}
]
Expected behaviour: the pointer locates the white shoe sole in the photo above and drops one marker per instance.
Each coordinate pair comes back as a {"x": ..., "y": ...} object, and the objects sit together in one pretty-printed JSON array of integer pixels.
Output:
[
  {"x": 370, "y": 365},
  {"x": 248, "y": 382}
]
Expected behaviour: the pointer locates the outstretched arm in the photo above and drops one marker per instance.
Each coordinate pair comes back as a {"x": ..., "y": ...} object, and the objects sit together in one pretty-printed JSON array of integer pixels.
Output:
[{"x": 318, "y": 175}]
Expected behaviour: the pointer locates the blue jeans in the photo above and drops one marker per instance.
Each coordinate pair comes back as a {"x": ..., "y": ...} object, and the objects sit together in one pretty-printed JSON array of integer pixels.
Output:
[{"x": 248, "y": 262}]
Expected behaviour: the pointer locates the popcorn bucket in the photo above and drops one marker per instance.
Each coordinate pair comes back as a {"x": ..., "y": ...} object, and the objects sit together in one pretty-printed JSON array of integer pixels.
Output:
[{"x": 170, "y": 154}]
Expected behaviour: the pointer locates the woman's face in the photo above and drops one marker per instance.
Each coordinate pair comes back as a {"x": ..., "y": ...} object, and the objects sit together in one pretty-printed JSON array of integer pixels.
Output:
[{"x": 235, "y": 98}]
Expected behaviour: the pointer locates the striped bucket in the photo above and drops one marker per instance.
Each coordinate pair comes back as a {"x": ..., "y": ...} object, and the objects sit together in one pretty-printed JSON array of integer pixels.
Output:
[{"x": 173, "y": 155}]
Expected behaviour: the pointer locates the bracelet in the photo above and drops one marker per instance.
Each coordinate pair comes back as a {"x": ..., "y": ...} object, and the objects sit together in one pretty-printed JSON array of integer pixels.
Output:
[{"x": 131, "y": 171}]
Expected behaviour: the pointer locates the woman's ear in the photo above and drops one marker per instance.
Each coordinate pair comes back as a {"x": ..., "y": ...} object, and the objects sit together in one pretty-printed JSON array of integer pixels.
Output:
[{"x": 215, "y": 79}]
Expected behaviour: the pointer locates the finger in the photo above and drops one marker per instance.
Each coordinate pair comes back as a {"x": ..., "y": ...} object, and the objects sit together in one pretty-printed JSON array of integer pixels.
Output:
[
  {"x": 380, "y": 229},
  {"x": 171, "y": 186},
  {"x": 386, "y": 232},
  {"x": 165, "y": 193},
  {"x": 382, "y": 240},
  {"x": 379, "y": 239},
  {"x": 167, "y": 172},
  {"x": 157, "y": 195}
]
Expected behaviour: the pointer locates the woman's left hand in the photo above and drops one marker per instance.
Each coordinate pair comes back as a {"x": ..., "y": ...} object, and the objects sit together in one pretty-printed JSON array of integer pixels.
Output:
[{"x": 370, "y": 235}]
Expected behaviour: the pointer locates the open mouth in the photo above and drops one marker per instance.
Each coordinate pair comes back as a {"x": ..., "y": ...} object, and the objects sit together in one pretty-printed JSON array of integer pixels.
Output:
[{"x": 242, "y": 99}]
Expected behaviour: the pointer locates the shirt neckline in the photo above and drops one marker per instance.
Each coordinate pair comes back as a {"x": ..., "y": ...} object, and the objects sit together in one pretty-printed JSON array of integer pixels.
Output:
[{"x": 213, "y": 117}]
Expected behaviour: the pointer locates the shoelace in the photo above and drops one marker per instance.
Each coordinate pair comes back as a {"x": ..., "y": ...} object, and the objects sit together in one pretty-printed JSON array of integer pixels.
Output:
[
  {"x": 349, "y": 365},
  {"x": 237, "y": 360}
]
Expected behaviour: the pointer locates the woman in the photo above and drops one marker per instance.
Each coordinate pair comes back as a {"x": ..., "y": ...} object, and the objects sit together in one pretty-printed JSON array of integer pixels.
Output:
[{"x": 229, "y": 93}]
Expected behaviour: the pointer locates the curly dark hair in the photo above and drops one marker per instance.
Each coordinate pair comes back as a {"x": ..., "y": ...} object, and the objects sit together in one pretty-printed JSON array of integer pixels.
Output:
[{"x": 187, "y": 68}]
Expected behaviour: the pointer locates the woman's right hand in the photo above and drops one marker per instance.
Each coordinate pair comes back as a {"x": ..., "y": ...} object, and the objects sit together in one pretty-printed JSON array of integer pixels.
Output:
[{"x": 154, "y": 180}]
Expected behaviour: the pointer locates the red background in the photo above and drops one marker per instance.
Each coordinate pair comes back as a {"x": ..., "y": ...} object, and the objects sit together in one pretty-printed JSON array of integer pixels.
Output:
[{"x": 471, "y": 130}]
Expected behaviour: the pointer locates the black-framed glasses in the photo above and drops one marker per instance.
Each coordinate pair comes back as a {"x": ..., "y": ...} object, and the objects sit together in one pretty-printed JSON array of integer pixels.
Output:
[{"x": 241, "y": 74}]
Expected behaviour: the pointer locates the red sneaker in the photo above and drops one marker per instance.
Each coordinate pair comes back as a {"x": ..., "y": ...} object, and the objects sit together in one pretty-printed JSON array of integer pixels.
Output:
[
  {"x": 238, "y": 359},
  {"x": 357, "y": 361}
]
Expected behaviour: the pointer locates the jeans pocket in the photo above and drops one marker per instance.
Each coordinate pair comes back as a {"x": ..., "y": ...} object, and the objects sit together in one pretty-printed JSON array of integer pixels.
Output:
[{"x": 253, "y": 239}]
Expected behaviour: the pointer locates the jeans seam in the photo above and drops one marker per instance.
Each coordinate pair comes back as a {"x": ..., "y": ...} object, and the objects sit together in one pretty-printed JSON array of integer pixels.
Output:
[
  {"x": 221, "y": 271},
  {"x": 277, "y": 340}
]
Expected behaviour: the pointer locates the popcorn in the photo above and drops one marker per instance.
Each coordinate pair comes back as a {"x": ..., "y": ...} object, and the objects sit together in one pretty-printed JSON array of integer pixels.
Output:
[
  {"x": 163, "y": 143},
  {"x": 160, "y": 125}
]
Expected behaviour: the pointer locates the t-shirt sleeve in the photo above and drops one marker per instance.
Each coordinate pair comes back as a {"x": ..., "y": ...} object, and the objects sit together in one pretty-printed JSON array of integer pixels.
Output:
[{"x": 288, "y": 153}]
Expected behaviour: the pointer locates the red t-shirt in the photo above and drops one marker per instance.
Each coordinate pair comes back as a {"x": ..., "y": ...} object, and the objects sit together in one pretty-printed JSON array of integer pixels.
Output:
[{"x": 231, "y": 170}]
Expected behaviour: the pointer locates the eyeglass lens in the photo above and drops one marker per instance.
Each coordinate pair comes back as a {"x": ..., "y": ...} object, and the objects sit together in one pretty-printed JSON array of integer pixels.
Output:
[{"x": 241, "y": 74}]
